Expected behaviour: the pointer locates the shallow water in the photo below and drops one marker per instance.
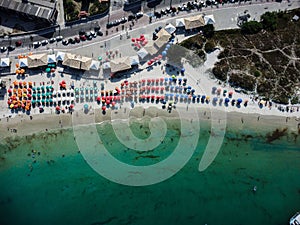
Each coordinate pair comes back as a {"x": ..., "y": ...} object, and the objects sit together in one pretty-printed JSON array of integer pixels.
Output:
[{"x": 61, "y": 188}]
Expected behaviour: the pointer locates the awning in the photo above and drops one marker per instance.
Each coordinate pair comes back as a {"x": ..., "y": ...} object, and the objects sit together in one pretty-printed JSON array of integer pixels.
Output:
[
  {"x": 77, "y": 61},
  {"x": 194, "y": 22},
  {"x": 120, "y": 64},
  {"x": 106, "y": 65},
  {"x": 4, "y": 62},
  {"x": 37, "y": 60},
  {"x": 162, "y": 38}
]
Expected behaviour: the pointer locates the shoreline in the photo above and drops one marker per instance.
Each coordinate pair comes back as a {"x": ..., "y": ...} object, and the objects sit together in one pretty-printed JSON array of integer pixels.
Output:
[{"x": 42, "y": 123}]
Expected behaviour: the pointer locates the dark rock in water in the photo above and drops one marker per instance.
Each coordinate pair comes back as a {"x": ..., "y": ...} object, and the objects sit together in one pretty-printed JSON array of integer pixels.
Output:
[{"x": 277, "y": 134}]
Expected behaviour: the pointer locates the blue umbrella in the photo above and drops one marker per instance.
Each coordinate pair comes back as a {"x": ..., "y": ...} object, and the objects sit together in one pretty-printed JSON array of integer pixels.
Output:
[
  {"x": 177, "y": 95},
  {"x": 189, "y": 87},
  {"x": 227, "y": 100},
  {"x": 164, "y": 53},
  {"x": 166, "y": 79},
  {"x": 170, "y": 79},
  {"x": 168, "y": 46},
  {"x": 193, "y": 90},
  {"x": 239, "y": 100},
  {"x": 203, "y": 96},
  {"x": 215, "y": 99},
  {"x": 182, "y": 70}
]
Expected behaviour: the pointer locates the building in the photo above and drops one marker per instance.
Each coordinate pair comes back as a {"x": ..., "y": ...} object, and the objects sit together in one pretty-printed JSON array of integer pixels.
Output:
[
  {"x": 77, "y": 61},
  {"x": 40, "y": 10},
  {"x": 194, "y": 22}
]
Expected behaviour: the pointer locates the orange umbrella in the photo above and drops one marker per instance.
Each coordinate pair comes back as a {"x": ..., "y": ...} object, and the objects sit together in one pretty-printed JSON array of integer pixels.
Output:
[{"x": 22, "y": 71}]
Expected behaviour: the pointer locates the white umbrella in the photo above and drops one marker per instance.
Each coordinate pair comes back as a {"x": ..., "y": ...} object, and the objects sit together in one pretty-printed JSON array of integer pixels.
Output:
[
  {"x": 60, "y": 56},
  {"x": 142, "y": 53},
  {"x": 95, "y": 65}
]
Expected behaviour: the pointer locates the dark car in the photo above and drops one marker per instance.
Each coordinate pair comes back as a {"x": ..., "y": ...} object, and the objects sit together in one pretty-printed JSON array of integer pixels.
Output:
[
  {"x": 109, "y": 25},
  {"x": 11, "y": 48},
  {"x": 157, "y": 15},
  {"x": 71, "y": 40},
  {"x": 97, "y": 28},
  {"x": 99, "y": 33},
  {"x": 3, "y": 49},
  {"x": 131, "y": 17},
  {"x": 81, "y": 32},
  {"x": 18, "y": 43}
]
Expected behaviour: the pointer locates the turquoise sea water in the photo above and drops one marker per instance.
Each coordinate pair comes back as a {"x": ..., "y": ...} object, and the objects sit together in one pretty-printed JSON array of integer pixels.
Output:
[{"x": 61, "y": 188}]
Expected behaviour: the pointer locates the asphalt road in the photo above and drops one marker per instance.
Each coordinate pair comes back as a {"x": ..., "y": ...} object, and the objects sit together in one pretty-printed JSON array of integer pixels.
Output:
[{"x": 220, "y": 14}]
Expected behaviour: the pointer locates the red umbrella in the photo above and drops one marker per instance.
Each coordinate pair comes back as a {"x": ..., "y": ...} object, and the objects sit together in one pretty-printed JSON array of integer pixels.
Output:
[
  {"x": 57, "y": 108},
  {"x": 104, "y": 108},
  {"x": 152, "y": 80},
  {"x": 162, "y": 88},
  {"x": 157, "y": 80},
  {"x": 152, "y": 60},
  {"x": 63, "y": 82},
  {"x": 98, "y": 98},
  {"x": 157, "y": 97},
  {"x": 149, "y": 63},
  {"x": 162, "y": 97},
  {"x": 71, "y": 106},
  {"x": 29, "y": 90},
  {"x": 20, "y": 83},
  {"x": 159, "y": 56},
  {"x": 133, "y": 39},
  {"x": 142, "y": 36},
  {"x": 113, "y": 103},
  {"x": 153, "y": 88},
  {"x": 52, "y": 70},
  {"x": 107, "y": 102},
  {"x": 9, "y": 91},
  {"x": 152, "y": 96},
  {"x": 156, "y": 88},
  {"x": 16, "y": 106},
  {"x": 148, "y": 96},
  {"x": 156, "y": 58},
  {"x": 143, "y": 80},
  {"x": 137, "y": 39}
]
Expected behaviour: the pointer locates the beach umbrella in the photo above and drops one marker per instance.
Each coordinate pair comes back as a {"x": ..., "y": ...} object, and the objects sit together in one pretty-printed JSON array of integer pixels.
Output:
[
  {"x": 99, "y": 58},
  {"x": 239, "y": 100},
  {"x": 227, "y": 100},
  {"x": 48, "y": 69},
  {"x": 57, "y": 108},
  {"x": 103, "y": 108},
  {"x": 164, "y": 53},
  {"x": 182, "y": 70},
  {"x": 86, "y": 106},
  {"x": 215, "y": 99}
]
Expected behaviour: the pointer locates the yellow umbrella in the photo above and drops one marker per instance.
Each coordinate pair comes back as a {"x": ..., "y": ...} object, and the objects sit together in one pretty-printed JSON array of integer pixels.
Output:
[
  {"x": 11, "y": 106},
  {"x": 207, "y": 97}
]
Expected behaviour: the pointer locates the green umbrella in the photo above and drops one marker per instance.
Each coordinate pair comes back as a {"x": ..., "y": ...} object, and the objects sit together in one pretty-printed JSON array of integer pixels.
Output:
[
  {"x": 33, "y": 88},
  {"x": 96, "y": 89},
  {"x": 76, "y": 89},
  {"x": 86, "y": 106},
  {"x": 99, "y": 58},
  {"x": 38, "y": 88},
  {"x": 33, "y": 101},
  {"x": 43, "y": 100},
  {"x": 48, "y": 70},
  {"x": 43, "y": 87}
]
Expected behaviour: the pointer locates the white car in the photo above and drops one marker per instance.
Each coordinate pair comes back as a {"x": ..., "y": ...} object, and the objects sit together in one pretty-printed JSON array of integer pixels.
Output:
[
  {"x": 36, "y": 44},
  {"x": 59, "y": 38},
  {"x": 65, "y": 42},
  {"x": 93, "y": 33},
  {"x": 44, "y": 42},
  {"x": 52, "y": 40}
]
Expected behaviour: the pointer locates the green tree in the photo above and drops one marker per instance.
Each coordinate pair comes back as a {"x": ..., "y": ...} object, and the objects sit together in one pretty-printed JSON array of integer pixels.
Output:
[
  {"x": 208, "y": 30},
  {"x": 251, "y": 27},
  {"x": 269, "y": 21}
]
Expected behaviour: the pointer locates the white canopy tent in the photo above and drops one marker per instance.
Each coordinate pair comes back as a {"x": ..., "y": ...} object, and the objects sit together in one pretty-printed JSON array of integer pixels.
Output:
[
  {"x": 51, "y": 58},
  {"x": 170, "y": 28},
  {"x": 180, "y": 22},
  {"x": 106, "y": 65},
  {"x": 142, "y": 53},
  {"x": 209, "y": 19},
  {"x": 95, "y": 65},
  {"x": 60, "y": 56},
  {"x": 4, "y": 62},
  {"x": 23, "y": 62},
  {"x": 134, "y": 60}
]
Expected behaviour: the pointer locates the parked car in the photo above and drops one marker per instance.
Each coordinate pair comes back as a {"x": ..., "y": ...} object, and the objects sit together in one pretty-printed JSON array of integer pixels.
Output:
[
  {"x": 3, "y": 49},
  {"x": 59, "y": 38},
  {"x": 93, "y": 33},
  {"x": 11, "y": 48},
  {"x": 82, "y": 32},
  {"x": 77, "y": 39},
  {"x": 36, "y": 44},
  {"x": 18, "y": 43},
  {"x": 52, "y": 40},
  {"x": 44, "y": 42},
  {"x": 139, "y": 15},
  {"x": 109, "y": 25},
  {"x": 97, "y": 28},
  {"x": 131, "y": 17},
  {"x": 99, "y": 33},
  {"x": 71, "y": 41},
  {"x": 65, "y": 42},
  {"x": 123, "y": 19},
  {"x": 83, "y": 37}
]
